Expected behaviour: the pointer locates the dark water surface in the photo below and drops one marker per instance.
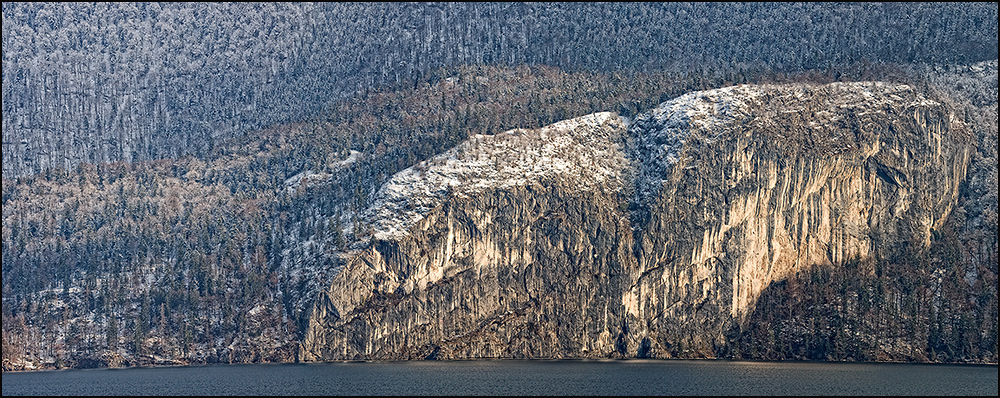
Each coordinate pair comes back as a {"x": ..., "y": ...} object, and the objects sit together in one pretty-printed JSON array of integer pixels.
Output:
[{"x": 517, "y": 377}]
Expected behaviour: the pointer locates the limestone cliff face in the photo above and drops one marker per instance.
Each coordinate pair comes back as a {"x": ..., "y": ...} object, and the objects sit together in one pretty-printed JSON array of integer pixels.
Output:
[
  {"x": 514, "y": 245},
  {"x": 652, "y": 237},
  {"x": 770, "y": 180}
]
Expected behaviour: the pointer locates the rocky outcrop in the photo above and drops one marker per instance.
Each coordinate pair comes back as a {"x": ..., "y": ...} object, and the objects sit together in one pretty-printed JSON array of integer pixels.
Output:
[{"x": 653, "y": 237}]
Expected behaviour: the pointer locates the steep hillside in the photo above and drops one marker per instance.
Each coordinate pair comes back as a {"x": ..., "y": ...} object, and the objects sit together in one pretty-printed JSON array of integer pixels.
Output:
[
  {"x": 649, "y": 237},
  {"x": 284, "y": 244}
]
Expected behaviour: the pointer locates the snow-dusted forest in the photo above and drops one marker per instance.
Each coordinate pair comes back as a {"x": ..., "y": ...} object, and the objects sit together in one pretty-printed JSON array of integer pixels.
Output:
[{"x": 97, "y": 82}]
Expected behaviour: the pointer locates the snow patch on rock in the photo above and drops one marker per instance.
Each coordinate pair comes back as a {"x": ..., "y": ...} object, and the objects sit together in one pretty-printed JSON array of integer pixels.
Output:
[{"x": 585, "y": 151}]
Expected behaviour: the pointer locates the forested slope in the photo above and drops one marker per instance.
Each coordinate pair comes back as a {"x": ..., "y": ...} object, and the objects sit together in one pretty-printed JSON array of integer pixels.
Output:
[{"x": 140, "y": 81}]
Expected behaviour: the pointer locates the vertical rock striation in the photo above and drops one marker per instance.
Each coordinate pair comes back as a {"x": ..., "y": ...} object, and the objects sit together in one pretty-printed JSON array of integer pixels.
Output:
[
  {"x": 769, "y": 180},
  {"x": 605, "y": 237}
]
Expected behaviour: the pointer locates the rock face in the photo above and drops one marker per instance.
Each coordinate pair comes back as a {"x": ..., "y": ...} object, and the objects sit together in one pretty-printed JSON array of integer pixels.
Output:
[{"x": 605, "y": 237}]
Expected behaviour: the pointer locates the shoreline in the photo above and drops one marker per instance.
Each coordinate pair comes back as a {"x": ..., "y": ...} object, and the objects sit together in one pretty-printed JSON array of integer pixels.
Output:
[{"x": 197, "y": 364}]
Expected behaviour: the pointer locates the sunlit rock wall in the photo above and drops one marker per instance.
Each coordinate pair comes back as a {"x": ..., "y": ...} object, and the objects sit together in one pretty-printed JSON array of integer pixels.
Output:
[{"x": 771, "y": 180}]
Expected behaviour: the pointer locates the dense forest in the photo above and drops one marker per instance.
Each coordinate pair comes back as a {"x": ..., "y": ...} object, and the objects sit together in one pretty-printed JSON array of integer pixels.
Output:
[
  {"x": 179, "y": 180},
  {"x": 98, "y": 82}
]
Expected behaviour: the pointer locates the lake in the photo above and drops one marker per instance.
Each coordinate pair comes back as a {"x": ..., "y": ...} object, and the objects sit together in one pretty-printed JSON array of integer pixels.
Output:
[{"x": 518, "y": 377}]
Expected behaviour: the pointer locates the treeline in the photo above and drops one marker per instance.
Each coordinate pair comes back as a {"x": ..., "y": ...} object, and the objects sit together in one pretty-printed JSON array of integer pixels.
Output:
[{"x": 97, "y": 82}]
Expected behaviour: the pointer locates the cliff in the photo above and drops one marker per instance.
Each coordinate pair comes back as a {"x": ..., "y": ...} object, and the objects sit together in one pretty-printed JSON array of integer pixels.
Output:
[{"x": 603, "y": 236}]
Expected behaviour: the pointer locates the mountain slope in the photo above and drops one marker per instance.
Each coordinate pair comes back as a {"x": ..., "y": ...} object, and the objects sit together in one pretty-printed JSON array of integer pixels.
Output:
[{"x": 226, "y": 259}]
